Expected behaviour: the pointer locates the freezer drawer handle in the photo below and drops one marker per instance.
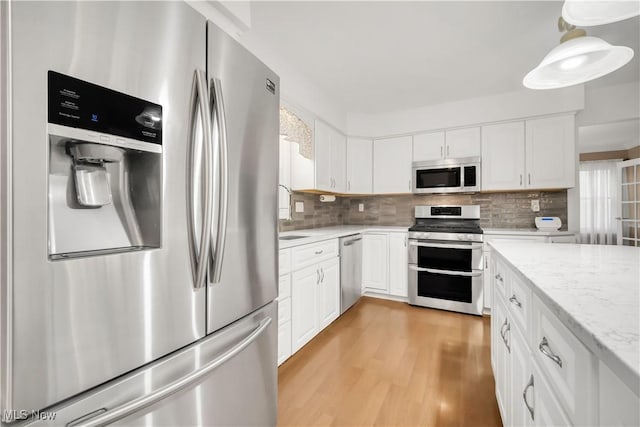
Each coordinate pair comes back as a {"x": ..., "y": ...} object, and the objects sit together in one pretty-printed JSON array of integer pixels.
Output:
[
  {"x": 190, "y": 380},
  {"x": 199, "y": 103},
  {"x": 217, "y": 105}
]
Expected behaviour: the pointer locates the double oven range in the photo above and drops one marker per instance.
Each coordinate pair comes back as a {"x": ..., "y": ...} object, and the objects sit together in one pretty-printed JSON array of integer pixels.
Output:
[{"x": 445, "y": 258}]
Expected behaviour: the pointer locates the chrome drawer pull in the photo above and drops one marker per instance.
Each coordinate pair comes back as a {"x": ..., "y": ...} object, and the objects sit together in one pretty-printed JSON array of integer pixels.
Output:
[
  {"x": 502, "y": 329},
  {"x": 505, "y": 337},
  {"x": 524, "y": 397},
  {"x": 319, "y": 252},
  {"x": 515, "y": 301},
  {"x": 544, "y": 349},
  {"x": 499, "y": 277}
]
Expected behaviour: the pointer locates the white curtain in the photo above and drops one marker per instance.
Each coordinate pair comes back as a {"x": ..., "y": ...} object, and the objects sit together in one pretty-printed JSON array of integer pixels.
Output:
[{"x": 598, "y": 202}]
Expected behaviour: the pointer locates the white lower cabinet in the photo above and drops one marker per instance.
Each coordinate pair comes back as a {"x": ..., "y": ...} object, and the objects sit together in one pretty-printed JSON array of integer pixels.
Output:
[
  {"x": 544, "y": 375},
  {"x": 385, "y": 264},
  {"x": 315, "y": 291},
  {"x": 284, "y": 306},
  {"x": 284, "y": 342}
]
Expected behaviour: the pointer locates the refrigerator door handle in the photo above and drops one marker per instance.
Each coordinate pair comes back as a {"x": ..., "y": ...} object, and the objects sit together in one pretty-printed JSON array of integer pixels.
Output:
[
  {"x": 185, "y": 382},
  {"x": 217, "y": 107},
  {"x": 199, "y": 105}
]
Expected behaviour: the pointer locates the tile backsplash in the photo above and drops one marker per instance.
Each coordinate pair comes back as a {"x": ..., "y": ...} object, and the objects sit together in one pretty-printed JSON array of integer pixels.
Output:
[{"x": 497, "y": 210}]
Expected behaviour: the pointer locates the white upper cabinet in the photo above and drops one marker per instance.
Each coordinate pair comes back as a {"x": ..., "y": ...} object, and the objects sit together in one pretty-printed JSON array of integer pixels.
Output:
[
  {"x": 330, "y": 158},
  {"x": 339, "y": 162},
  {"x": 455, "y": 143},
  {"x": 503, "y": 156},
  {"x": 359, "y": 166},
  {"x": 428, "y": 146},
  {"x": 534, "y": 154},
  {"x": 392, "y": 165},
  {"x": 462, "y": 143},
  {"x": 322, "y": 156},
  {"x": 551, "y": 152}
]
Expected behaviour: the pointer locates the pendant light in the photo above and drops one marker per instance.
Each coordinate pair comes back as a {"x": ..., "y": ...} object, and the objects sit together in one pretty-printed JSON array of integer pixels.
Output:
[
  {"x": 586, "y": 13},
  {"x": 577, "y": 59}
]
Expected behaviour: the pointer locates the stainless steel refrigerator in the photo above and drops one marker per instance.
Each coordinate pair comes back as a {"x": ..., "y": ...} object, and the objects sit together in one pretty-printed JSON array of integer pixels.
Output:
[{"x": 139, "y": 218}]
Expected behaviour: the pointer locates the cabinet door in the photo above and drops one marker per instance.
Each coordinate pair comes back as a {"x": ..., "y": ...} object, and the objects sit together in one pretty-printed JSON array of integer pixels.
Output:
[
  {"x": 339, "y": 161},
  {"x": 520, "y": 381},
  {"x": 304, "y": 288},
  {"x": 375, "y": 262},
  {"x": 547, "y": 409},
  {"x": 550, "y": 152},
  {"x": 503, "y": 156},
  {"x": 486, "y": 277},
  {"x": 329, "y": 293},
  {"x": 322, "y": 156},
  {"x": 359, "y": 166},
  {"x": 398, "y": 267},
  {"x": 428, "y": 146},
  {"x": 392, "y": 165},
  {"x": 501, "y": 373},
  {"x": 463, "y": 143},
  {"x": 284, "y": 342}
]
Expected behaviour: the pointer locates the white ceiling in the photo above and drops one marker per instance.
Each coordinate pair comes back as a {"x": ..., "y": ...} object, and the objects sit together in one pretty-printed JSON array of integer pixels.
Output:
[
  {"x": 378, "y": 57},
  {"x": 609, "y": 136}
]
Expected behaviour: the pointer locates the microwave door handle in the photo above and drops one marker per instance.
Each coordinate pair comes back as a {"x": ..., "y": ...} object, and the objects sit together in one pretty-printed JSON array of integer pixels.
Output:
[
  {"x": 218, "y": 108},
  {"x": 447, "y": 272},
  {"x": 446, "y": 245},
  {"x": 199, "y": 251}
]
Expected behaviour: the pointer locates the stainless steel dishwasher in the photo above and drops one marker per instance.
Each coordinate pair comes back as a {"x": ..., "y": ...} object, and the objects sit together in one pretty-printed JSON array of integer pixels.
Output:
[{"x": 350, "y": 270}]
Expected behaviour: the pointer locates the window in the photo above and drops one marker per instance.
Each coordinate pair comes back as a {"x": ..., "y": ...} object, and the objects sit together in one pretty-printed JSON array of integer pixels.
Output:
[{"x": 598, "y": 202}]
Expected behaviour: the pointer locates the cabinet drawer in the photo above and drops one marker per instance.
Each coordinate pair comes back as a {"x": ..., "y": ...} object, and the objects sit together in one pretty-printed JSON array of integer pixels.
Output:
[
  {"x": 284, "y": 286},
  {"x": 284, "y": 310},
  {"x": 284, "y": 261},
  {"x": 547, "y": 410},
  {"x": 519, "y": 299},
  {"x": 313, "y": 253},
  {"x": 499, "y": 278},
  {"x": 284, "y": 342},
  {"x": 567, "y": 364}
]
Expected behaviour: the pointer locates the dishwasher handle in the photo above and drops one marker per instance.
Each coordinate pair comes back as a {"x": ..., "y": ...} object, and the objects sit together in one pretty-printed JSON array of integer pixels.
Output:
[{"x": 352, "y": 241}]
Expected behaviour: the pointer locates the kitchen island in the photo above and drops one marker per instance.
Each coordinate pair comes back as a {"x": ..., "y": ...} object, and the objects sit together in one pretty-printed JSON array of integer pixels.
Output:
[{"x": 576, "y": 311}]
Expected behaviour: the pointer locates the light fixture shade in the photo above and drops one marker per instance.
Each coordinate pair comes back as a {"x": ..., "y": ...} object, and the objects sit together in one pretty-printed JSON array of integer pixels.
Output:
[
  {"x": 577, "y": 61},
  {"x": 586, "y": 13}
]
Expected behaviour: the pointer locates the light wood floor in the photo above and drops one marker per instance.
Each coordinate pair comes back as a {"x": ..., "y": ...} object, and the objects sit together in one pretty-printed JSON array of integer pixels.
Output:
[{"x": 388, "y": 363}]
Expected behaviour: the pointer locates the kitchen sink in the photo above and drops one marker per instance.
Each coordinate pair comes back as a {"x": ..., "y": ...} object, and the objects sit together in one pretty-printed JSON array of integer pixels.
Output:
[{"x": 292, "y": 237}]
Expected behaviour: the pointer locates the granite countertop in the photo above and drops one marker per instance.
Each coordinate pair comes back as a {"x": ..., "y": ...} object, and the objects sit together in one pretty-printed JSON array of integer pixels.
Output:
[
  {"x": 326, "y": 233},
  {"x": 526, "y": 232},
  {"x": 594, "y": 290}
]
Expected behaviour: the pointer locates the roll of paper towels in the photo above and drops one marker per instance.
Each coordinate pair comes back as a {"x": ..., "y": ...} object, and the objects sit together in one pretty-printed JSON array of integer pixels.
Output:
[{"x": 327, "y": 198}]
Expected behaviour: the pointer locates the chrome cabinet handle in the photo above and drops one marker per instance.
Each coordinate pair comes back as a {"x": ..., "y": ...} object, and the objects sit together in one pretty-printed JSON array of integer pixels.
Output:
[
  {"x": 546, "y": 350},
  {"x": 348, "y": 185},
  {"x": 322, "y": 273},
  {"x": 183, "y": 383},
  {"x": 524, "y": 397},
  {"x": 319, "y": 252},
  {"x": 317, "y": 277},
  {"x": 529, "y": 179},
  {"x": 503, "y": 333},
  {"x": 200, "y": 251},
  {"x": 486, "y": 262},
  {"x": 441, "y": 151},
  {"x": 447, "y": 150},
  {"x": 217, "y": 101},
  {"x": 502, "y": 328},
  {"x": 514, "y": 300},
  {"x": 499, "y": 277},
  {"x": 520, "y": 180}
]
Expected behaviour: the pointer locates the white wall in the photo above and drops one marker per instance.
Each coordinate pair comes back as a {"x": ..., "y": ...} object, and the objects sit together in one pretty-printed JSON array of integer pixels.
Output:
[
  {"x": 506, "y": 106},
  {"x": 610, "y": 104}
]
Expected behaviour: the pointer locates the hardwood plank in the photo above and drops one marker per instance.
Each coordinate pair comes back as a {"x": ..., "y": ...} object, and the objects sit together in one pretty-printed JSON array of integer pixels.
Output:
[{"x": 388, "y": 363}]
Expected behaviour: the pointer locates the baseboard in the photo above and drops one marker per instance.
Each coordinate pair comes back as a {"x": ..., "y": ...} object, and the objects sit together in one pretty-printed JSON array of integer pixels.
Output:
[{"x": 385, "y": 296}]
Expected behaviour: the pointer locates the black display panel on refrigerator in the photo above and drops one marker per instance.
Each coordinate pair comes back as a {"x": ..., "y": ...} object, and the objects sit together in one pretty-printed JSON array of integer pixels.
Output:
[{"x": 80, "y": 104}]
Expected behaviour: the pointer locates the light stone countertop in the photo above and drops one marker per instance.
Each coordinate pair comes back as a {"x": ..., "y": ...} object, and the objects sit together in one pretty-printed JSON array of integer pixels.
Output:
[
  {"x": 525, "y": 232},
  {"x": 325, "y": 233},
  {"x": 594, "y": 290}
]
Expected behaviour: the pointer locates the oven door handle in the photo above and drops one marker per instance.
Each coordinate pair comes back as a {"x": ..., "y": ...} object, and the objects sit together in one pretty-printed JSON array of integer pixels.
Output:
[
  {"x": 446, "y": 245},
  {"x": 447, "y": 272}
]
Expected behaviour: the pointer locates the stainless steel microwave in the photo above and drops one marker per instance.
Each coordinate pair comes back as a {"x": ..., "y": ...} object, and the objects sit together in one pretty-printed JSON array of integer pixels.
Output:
[{"x": 447, "y": 176}]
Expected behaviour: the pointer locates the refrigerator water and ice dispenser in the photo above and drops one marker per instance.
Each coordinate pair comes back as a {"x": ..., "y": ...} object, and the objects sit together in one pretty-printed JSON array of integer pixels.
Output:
[{"x": 105, "y": 170}]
